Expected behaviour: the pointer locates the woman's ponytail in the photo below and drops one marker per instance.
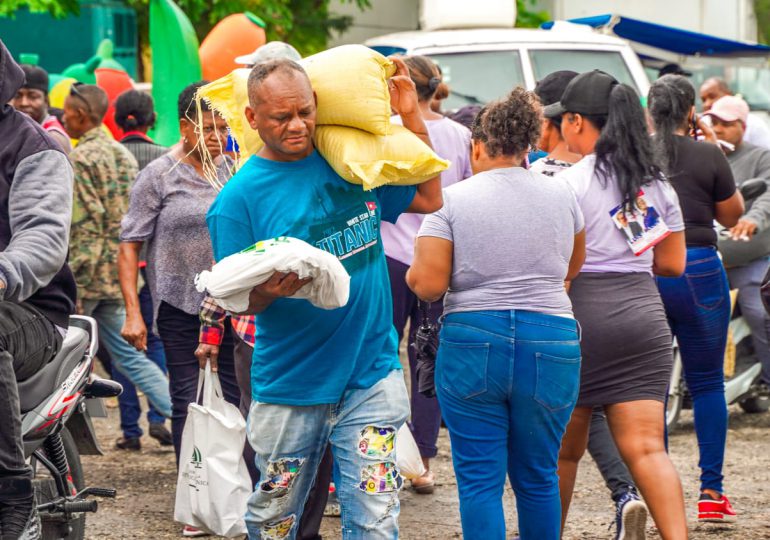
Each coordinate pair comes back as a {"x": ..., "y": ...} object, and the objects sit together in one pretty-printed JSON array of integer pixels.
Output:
[
  {"x": 669, "y": 101},
  {"x": 624, "y": 148}
]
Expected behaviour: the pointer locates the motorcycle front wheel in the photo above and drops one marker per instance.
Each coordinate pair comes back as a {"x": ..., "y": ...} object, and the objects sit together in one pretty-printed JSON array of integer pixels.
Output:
[{"x": 55, "y": 526}]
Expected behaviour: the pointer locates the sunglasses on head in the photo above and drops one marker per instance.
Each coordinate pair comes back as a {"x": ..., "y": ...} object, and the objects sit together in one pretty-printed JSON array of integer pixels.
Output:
[{"x": 76, "y": 93}]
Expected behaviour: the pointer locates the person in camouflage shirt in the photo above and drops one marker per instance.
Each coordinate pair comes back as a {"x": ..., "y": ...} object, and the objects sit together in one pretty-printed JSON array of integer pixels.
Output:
[{"x": 104, "y": 172}]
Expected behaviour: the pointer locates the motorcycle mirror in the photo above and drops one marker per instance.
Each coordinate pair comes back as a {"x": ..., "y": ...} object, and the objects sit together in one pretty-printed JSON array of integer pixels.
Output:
[{"x": 751, "y": 189}]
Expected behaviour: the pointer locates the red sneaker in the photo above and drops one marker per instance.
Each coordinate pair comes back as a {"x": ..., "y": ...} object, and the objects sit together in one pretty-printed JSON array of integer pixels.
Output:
[{"x": 713, "y": 510}]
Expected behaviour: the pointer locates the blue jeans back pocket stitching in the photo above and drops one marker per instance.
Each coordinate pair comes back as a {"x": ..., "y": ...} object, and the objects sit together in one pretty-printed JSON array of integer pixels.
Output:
[
  {"x": 695, "y": 289},
  {"x": 546, "y": 394},
  {"x": 471, "y": 373}
]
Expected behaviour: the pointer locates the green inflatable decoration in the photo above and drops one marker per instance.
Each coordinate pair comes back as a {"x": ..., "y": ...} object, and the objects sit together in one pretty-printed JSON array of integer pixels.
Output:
[
  {"x": 175, "y": 64},
  {"x": 84, "y": 72},
  {"x": 105, "y": 51}
]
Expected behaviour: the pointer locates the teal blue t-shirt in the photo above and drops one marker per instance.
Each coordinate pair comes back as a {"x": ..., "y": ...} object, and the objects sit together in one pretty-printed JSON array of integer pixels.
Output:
[{"x": 305, "y": 355}]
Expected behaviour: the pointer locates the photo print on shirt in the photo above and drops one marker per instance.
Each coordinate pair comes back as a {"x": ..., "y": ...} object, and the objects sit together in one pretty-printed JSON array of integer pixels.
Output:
[{"x": 642, "y": 225}]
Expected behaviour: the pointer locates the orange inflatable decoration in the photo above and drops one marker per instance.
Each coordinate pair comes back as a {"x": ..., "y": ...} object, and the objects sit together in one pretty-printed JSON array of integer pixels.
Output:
[
  {"x": 233, "y": 36},
  {"x": 114, "y": 82}
]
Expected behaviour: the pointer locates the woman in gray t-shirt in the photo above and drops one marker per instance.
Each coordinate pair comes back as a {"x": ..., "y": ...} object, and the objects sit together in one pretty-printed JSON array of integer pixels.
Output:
[{"x": 508, "y": 363}]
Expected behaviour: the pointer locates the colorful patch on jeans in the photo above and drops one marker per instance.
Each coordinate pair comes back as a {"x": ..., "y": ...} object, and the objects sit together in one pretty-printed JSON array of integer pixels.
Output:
[
  {"x": 377, "y": 442},
  {"x": 281, "y": 475},
  {"x": 380, "y": 478},
  {"x": 278, "y": 530}
]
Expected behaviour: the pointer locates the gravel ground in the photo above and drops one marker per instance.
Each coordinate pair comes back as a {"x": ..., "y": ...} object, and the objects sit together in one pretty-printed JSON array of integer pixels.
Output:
[{"x": 145, "y": 482}]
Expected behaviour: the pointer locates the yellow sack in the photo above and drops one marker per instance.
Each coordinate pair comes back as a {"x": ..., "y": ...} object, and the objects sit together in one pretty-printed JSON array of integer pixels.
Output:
[
  {"x": 351, "y": 83},
  {"x": 229, "y": 97},
  {"x": 352, "y": 89},
  {"x": 377, "y": 160}
]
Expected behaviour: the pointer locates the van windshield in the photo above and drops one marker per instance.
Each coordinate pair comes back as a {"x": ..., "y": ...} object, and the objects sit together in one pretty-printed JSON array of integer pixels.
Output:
[
  {"x": 545, "y": 61},
  {"x": 476, "y": 78}
]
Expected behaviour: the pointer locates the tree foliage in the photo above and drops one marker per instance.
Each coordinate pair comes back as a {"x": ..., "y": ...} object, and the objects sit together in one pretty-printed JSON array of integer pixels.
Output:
[
  {"x": 762, "y": 13},
  {"x": 306, "y": 24},
  {"x": 57, "y": 8},
  {"x": 527, "y": 17}
]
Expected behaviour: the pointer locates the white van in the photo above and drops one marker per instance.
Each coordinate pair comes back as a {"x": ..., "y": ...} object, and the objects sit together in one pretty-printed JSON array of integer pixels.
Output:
[{"x": 480, "y": 65}]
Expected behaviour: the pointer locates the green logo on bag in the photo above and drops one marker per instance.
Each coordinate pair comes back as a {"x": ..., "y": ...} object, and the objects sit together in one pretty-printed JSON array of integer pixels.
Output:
[{"x": 196, "y": 458}]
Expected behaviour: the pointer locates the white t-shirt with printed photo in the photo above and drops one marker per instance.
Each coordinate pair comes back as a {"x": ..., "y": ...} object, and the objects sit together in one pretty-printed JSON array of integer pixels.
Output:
[{"x": 618, "y": 240}]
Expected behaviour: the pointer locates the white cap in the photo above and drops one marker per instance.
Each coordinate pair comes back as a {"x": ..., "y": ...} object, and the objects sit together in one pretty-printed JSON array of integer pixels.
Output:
[
  {"x": 730, "y": 109},
  {"x": 269, "y": 51}
]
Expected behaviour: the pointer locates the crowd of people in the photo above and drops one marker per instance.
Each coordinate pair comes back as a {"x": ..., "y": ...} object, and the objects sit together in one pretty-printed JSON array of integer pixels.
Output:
[{"x": 558, "y": 286}]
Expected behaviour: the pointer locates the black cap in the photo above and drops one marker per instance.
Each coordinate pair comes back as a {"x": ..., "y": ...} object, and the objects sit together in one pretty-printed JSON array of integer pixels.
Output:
[
  {"x": 466, "y": 115},
  {"x": 673, "y": 69},
  {"x": 35, "y": 77},
  {"x": 551, "y": 87},
  {"x": 588, "y": 93}
]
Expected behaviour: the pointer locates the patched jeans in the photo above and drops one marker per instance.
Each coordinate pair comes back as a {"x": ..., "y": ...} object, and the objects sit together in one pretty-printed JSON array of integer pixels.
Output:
[
  {"x": 507, "y": 382},
  {"x": 289, "y": 442}
]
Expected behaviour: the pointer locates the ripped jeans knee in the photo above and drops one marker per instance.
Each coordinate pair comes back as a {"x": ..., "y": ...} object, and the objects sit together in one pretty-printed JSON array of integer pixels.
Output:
[
  {"x": 280, "y": 476},
  {"x": 272, "y": 506},
  {"x": 380, "y": 480}
]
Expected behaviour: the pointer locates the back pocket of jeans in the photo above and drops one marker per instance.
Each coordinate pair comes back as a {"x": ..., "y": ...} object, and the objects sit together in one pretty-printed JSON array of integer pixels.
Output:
[
  {"x": 707, "y": 289},
  {"x": 463, "y": 368},
  {"x": 558, "y": 381}
]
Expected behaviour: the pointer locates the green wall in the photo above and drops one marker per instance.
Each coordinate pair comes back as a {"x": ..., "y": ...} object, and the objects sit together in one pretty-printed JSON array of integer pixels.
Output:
[{"x": 62, "y": 42}]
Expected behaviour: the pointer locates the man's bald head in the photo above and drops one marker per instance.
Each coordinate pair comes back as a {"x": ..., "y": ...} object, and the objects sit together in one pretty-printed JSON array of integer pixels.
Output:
[
  {"x": 282, "y": 109},
  {"x": 263, "y": 71},
  {"x": 93, "y": 99},
  {"x": 712, "y": 89}
]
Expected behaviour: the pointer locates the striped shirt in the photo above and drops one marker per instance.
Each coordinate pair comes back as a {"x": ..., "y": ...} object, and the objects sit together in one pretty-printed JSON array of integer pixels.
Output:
[{"x": 142, "y": 147}]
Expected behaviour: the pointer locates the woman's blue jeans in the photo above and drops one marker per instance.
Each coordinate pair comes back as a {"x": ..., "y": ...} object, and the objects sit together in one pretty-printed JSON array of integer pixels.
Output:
[
  {"x": 507, "y": 382},
  {"x": 698, "y": 309}
]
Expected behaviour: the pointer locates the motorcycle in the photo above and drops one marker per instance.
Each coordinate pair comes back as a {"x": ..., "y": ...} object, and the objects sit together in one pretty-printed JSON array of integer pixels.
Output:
[
  {"x": 742, "y": 368},
  {"x": 57, "y": 405}
]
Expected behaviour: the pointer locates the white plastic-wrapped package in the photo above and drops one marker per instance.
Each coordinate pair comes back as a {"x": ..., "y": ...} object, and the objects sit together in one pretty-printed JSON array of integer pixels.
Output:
[{"x": 231, "y": 280}]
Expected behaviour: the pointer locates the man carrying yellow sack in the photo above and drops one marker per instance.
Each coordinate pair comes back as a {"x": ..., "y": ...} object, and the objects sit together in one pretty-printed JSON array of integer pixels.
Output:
[{"x": 319, "y": 376}]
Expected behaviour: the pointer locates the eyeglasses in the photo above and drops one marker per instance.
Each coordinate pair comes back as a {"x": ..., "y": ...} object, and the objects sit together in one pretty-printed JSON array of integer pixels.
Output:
[{"x": 76, "y": 93}]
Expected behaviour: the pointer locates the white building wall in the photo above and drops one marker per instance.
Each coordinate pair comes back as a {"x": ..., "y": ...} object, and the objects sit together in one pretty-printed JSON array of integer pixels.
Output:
[
  {"x": 730, "y": 19},
  {"x": 384, "y": 17}
]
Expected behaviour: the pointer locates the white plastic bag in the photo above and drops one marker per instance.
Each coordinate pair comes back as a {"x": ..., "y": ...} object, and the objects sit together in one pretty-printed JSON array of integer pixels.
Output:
[
  {"x": 232, "y": 278},
  {"x": 213, "y": 485},
  {"x": 408, "y": 459}
]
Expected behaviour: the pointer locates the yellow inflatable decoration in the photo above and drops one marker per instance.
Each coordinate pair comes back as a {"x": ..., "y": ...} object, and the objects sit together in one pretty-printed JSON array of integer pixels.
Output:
[
  {"x": 353, "y": 132},
  {"x": 59, "y": 92}
]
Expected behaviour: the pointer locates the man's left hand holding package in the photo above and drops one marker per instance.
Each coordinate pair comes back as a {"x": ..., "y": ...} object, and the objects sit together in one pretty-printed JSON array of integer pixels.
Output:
[{"x": 232, "y": 279}]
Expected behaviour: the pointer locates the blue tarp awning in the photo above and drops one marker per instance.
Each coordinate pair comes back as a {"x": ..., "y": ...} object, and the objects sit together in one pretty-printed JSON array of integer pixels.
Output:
[{"x": 671, "y": 39}]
